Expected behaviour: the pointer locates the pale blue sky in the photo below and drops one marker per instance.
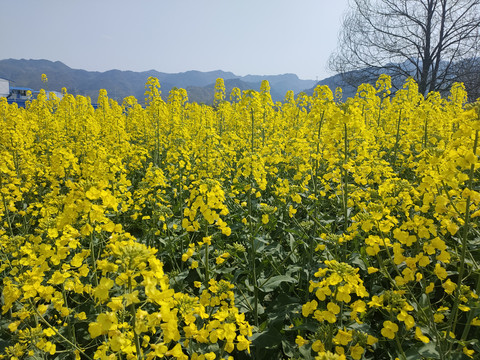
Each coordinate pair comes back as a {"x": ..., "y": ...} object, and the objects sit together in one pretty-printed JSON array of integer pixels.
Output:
[{"x": 260, "y": 37}]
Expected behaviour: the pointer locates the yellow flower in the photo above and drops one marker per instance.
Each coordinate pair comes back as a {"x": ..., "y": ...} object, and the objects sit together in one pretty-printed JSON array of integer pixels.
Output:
[
  {"x": 300, "y": 341},
  {"x": 49, "y": 332},
  {"x": 320, "y": 247},
  {"x": 131, "y": 298},
  {"x": 389, "y": 329},
  {"x": 475, "y": 322},
  {"x": 449, "y": 286},
  {"x": 243, "y": 343},
  {"x": 440, "y": 272},
  {"x": 333, "y": 308},
  {"x": 309, "y": 308},
  {"x": 176, "y": 351},
  {"x": 377, "y": 301},
  {"x": 318, "y": 346},
  {"x": 343, "y": 337},
  {"x": 429, "y": 288},
  {"x": 407, "y": 319},
  {"x": 438, "y": 317},
  {"x": 356, "y": 352},
  {"x": 296, "y": 198},
  {"x": 358, "y": 306},
  {"x": 210, "y": 356},
  {"x": 327, "y": 355},
  {"x": 95, "y": 329},
  {"x": 371, "y": 340},
  {"x": 468, "y": 352},
  {"x": 419, "y": 335},
  {"x": 81, "y": 316},
  {"x": 325, "y": 315},
  {"x": 291, "y": 211},
  {"x": 116, "y": 303},
  {"x": 226, "y": 231},
  {"x": 102, "y": 290},
  {"x": 385, "y": 226}
]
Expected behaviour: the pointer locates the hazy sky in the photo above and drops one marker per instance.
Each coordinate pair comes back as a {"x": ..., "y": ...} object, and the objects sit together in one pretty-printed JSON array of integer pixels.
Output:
[{"x": 261, "y": 37}]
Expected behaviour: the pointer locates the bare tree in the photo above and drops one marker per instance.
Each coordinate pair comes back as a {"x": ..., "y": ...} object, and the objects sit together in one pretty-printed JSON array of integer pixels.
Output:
[
  {"x": 425, "y": 39},
  {"x": 468, "y": 71}
]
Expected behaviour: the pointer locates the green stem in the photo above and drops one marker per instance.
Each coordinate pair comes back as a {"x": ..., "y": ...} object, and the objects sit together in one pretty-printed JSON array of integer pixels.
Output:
[
  {"x": 461, "y": 268},
  {"x": 181, "y": 206},
  {"x": 253, "y": 254},
  {"x": 399, "y": 345},
  {"x": 397, "y": 139},
  {"x": 425, "y": 133},
  {"x": 133, "y": 313},
  {"x": 247, "y": 303},
  {"x": 71, "y": 329},
  {"x": 315, "y": 208},
  {"x": 381, "y": 263},
  {"x": 471, "y": 315},
  {"x": 345, "y": 182},
  {"x": 207, "y": 260},
  {"x": 94, "y": 261},
  {"x": 250, "y": 223},
  {"x": 253, "y": 130},
  {"x": 58, "y": 333},
  {"x": 7, "y": 212}
]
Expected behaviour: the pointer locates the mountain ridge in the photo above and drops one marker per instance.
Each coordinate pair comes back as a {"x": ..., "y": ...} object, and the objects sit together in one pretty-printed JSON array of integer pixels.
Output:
[{"x": 122, "y": 83}]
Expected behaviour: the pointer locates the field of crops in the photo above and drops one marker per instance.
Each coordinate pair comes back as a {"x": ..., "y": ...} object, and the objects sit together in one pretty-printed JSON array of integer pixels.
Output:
[{"x": 315, "y": 228}]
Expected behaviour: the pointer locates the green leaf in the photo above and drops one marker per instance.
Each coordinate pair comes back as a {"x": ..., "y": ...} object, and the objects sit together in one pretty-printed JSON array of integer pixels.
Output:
[
  {"x": 259, "y": 244},
  {"x": 274, "y": 282},
  {"x": 266, "y": 339},
  {"x": 288, "y": 348},
  {"x": 423, "y": 351}
]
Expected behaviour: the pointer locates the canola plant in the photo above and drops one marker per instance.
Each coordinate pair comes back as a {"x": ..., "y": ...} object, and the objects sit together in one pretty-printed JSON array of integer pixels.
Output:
[{"x": 308, "y": 228}]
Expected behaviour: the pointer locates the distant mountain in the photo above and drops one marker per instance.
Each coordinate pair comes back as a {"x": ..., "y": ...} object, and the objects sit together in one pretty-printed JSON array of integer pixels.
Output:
[
  {"x": 333, "y": 82},
  {"x": 282, "y": 83},
  {"x": 349, "y": 90},
  {"x": 120, "y": 84},
  {"x": 468, "y": 72}
]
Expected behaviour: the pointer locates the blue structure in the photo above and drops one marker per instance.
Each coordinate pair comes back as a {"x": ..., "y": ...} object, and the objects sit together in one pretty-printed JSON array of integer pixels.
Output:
[{"x": 19, "y": 95}]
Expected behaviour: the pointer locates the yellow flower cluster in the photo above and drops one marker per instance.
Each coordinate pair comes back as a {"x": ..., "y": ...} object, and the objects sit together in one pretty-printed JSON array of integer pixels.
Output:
[
  {"x": 338, "y": 283},
  {"x": 123, "y": 227}
]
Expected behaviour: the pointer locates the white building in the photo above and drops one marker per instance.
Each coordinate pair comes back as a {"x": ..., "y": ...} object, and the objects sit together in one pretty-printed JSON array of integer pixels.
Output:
[
  {"x": 21, "y": 94},
  {"x": 4, "y": 87}
]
